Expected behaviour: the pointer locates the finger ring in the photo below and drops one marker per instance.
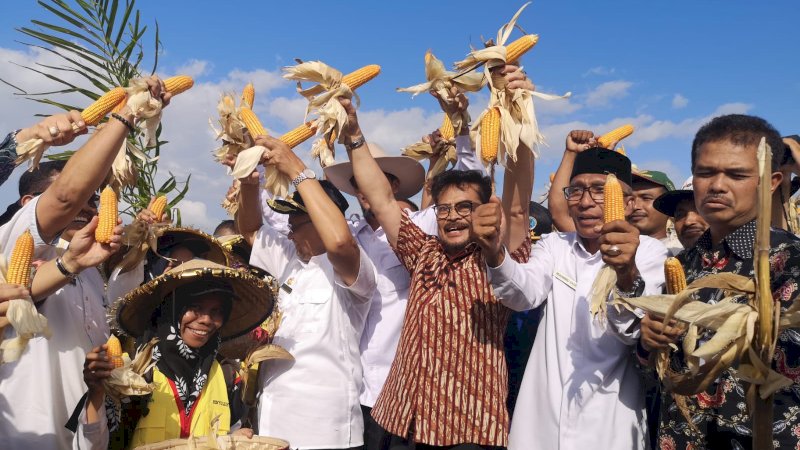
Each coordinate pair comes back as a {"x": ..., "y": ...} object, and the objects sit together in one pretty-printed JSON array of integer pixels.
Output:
[
  {"x": 614, "y": 250},
  {"x": 53, "y": 131}
]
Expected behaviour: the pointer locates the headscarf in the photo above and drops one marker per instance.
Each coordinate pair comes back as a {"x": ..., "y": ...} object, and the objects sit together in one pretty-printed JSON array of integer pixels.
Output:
[{"x": 187, "y": 367}]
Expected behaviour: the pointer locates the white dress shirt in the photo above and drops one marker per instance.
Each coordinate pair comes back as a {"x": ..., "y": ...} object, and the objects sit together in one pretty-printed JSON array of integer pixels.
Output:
[
  {"x": 39, "y": 391},
  {"x": 581, "y": 389},
  {"x": 313, "y": 401}
]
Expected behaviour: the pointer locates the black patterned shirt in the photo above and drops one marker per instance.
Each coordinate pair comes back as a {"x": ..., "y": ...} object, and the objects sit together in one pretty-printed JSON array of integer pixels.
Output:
[{"x": 720, "y": 413}]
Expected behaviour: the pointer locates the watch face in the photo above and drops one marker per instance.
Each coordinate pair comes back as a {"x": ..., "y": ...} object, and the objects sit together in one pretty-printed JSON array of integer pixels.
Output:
[{"x": 310, "y": 173}]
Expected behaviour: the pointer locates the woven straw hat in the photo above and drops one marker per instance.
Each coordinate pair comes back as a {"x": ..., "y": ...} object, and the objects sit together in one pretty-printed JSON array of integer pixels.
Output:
[
  {"x": 408, "y": 170},
  {"x": 252, "y": 303}
]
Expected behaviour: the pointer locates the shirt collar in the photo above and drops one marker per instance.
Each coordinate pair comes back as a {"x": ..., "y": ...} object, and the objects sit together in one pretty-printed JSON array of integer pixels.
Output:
[
  {"x": 741, "y": 241},
  {"x": 576, "y": 244}
]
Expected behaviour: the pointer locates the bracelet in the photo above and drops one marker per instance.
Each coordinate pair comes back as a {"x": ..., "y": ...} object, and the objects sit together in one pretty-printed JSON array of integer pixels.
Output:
[
  {"x": 356, "y": 144},
  {"x": 63, "y": 269},
  {"x": 125, "y": 122}
]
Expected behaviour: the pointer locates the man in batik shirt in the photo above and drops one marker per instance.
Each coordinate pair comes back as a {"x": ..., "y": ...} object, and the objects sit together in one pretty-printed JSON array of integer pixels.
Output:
[{"x": 725, "y": 172}]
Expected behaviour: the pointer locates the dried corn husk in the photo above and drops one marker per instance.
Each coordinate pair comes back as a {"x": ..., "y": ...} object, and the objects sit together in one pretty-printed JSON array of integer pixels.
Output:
[
  {"x": 128, "y": 380},
  {"x": 323, "y": 101},
  {"x": 137, "y": 239},
  {"x": 231, "y": 201},
  {"x": 441, "y": 81},
  {"x": 24, "y": 318},
  {"x": 445, "y": 149},
  {"x": 232, "y": 131},
  {"x": 518, "y": 125}
]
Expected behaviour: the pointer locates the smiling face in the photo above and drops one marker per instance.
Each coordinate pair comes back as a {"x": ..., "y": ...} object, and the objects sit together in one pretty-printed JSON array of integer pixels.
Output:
[
  {"x": 586, "y": 213},
  {"x": 84, "y": 216},
  {"x": 202, "y": 320},
  {"x": 726, "y": 185},
  {"x": 648, "y": 220},
  {"x": 454, "y": 228},
  {"x": 688, "y": 224}
]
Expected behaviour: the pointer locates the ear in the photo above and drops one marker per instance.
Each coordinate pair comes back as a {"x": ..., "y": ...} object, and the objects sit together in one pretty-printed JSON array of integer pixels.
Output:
[
  {"x": 25, "y": 199},
  {"x": 777, "y": 178}
]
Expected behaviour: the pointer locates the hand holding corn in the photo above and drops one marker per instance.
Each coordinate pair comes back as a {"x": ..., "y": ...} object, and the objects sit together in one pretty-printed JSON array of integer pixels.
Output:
[
  {"x": 580, "y": 140},
  {"x": 656, "y": 335},
  {"x": 9, "y": 292},
  {"x": 280, "y": 156},
  {"x": 486, "y": 229},
  {"x": 96, "y": 368},
  {"x": 85, "y": 251},
  {"x": 58, "y": 129}
]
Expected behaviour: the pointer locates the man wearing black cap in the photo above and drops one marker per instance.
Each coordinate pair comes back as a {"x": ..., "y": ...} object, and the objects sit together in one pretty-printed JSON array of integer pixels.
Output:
[
  {"x": 725, "y": 173},
  {"x": 679, "y": 205},
  {"x": 581, "y": 388},
  {"x": 326, "y": 286}
]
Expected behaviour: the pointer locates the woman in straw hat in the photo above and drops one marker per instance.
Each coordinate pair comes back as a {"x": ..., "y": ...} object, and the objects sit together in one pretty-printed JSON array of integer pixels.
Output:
[{"x": 189, "y": 311}]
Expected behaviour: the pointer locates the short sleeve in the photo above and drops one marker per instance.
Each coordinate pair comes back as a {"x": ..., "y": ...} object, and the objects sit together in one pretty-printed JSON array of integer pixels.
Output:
[{"x": 410, "y": 241}]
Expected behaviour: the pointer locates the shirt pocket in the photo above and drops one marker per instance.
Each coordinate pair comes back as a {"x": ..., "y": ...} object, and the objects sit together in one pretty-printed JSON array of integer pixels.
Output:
[{"x": 313, "y": 308}]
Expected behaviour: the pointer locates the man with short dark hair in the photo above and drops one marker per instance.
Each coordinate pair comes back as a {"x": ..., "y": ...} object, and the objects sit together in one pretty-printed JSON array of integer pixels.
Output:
[
  {"x": 725, "y": 180},
  {"x": 448, "y": 383},
  {"x": 679, "y": 205},
  {"x": 647, "y": 186}
]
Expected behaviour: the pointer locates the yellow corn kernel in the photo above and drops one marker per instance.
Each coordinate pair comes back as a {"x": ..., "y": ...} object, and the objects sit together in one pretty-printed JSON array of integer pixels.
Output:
[
  {"x": 614, "y": 201},
  {"x": 102, "y": 106},
  {"x": 159, "y": 205},
  {"x": 177, "y": 84},
  {"x": 519, "y": 47},
  {"x": 615, "y": 135},
  {"x": 114, "y": 351},
  {"x": 120, "y": 105},
  {"x": 19, "y": 268},
  {"x": 248, "y": 95},
  {"x": 490, "y": 135},
  {"x": 447, "y": 130},
  {"x": 108, "y": 216},
  {"x": 359, "y": 77},
  {"x": 298, "y": 135},
  {"x": 674, "y": 276},
  {"x": 621, "y": 150},
  {"x": 251, "y": 122}
]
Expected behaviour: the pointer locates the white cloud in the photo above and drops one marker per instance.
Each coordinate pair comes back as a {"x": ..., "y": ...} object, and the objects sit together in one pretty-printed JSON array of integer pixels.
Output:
[
  {"x": 600, "y": 71},
  {"x": 679, "y": 101},
  {"x": 194, "y": 68},
  {"x": 603, "y": 94},
  {"x": 195, "y": 214}
]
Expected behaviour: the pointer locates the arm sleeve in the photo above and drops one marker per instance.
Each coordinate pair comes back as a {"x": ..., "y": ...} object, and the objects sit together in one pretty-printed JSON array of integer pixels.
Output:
[
  {"x": 425, "y": 220},
  {"x": 91, "y": 436},
  {"x": 272, "y": 251},
  {"x": 278, "y": 222},
  {"x": 650, "y": 258},
  {"x": 8, "y": 156},
  {"x": 523, "y": 286},
  {"x": 365, "y": 284},
  {"x": 25, "y": 220},
  {"x": 466, "y": 158},
  {"x": 410, "y": 241}
]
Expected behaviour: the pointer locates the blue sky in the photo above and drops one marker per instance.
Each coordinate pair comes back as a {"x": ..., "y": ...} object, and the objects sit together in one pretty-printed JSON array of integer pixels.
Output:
[{"x": 666, "y": 67}]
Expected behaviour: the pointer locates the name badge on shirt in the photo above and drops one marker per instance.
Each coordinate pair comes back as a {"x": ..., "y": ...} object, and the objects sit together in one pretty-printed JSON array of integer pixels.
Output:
[{"x": 566, "y": 280}]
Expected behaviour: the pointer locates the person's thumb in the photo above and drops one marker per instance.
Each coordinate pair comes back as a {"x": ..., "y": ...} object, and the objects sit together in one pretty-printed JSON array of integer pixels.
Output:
[
  {"x": 90, "y": 227},
  {"x": 495, "y": 199}
]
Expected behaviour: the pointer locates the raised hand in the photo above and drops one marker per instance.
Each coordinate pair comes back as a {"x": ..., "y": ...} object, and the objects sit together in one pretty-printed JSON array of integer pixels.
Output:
[
  {"x": 58, "y": 129},
  {"x": 84, "y": 251},
  {"x": 486, "y": 229},
  {"x": 580, "y": 140},
  {"x": 280, "y": 156}
]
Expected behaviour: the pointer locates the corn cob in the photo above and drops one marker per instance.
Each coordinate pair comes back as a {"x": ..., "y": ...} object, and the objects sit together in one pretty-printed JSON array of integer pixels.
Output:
[
  {"x": 616, "y": 135},
  {"x": 447, "y": 130},
  {"x": 298, "y": 135},
  {"x": 19, "y": 269},
  {"x": 359, "y": 77},
  {"x": 614, "y": 201},
  {"x": 621, "y": 150},
  {"x": 102, "y": 106},
  {"x": 114, "y": 351},
  {"x": 108, "y": 216},
  {"x": 177, "y": 84},
  {"x": 251, "y": 122},
  {"x": 674, "y": 276},
  {"x": 490, "y": 135},
  {"x": 519, "y": 47},
  {"x": 159, "y": 205},
  {"x": 120, "y": 105},
  {"x": 248, "y": 95}
]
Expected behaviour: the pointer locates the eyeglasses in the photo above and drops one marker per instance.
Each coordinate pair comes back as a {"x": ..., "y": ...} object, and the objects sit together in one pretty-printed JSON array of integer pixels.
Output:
[
  {"x": 463, "y": 209},
  {"x": 574, "y": 194},
  {"x": 297, "y": 226}
]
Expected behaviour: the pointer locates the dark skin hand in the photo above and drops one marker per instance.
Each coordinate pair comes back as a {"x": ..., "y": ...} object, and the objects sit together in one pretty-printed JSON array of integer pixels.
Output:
[{"x": 656, "y": 335}]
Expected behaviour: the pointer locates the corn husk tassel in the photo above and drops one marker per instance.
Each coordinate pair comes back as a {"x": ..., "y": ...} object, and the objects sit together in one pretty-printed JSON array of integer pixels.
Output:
[
  {"x": 443, "y": 151},
  {"x": 128, "y": 380},
  {"x": 21, "y": 313},
  {"x": 519, "y": 128},
  {"x": 442, "y": 82},
  {"x": 323, "y": 99}
]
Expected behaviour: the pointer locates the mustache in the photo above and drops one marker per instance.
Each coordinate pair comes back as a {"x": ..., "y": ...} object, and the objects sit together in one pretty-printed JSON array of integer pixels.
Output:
[{"x": 716, "y": 198}]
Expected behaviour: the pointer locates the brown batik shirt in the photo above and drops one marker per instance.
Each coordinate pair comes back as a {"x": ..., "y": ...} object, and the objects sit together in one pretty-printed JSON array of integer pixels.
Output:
[{"x": 449, "y": 378}]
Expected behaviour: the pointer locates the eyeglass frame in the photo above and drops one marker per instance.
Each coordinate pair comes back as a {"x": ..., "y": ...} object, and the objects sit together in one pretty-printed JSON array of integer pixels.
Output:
[
  {"x": 454, "y": 207},
  {"x": 584, "y": 189}
]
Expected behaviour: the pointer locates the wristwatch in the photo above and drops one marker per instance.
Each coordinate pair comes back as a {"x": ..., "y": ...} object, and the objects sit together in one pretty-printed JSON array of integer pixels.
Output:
[
  {"x": 355, "y": 144},
  {"x": 304, "y": 175}
]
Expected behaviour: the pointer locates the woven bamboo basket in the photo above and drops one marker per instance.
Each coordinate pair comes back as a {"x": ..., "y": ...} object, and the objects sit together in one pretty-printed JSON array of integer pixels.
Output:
[{"x": 223, "y": 443}]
